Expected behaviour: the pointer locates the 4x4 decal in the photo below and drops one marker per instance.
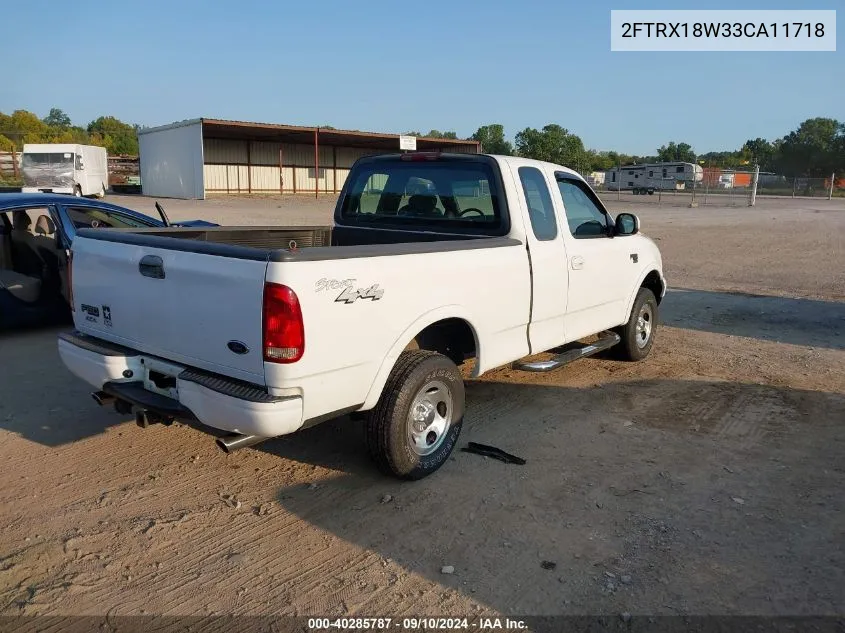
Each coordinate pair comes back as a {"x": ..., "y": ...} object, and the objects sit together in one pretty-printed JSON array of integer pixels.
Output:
[{"x": 348, "y": 292}]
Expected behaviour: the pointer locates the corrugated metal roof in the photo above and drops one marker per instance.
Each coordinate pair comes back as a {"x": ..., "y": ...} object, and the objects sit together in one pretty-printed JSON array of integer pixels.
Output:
[{"x": 222, "y": 128}]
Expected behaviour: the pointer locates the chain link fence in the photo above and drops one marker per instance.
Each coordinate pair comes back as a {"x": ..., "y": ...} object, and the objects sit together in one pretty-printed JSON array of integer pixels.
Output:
[{"x": 703, "y": 185}]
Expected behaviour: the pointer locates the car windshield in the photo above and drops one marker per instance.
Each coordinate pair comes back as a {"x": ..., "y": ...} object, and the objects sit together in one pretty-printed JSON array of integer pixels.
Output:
[
  {"x": 456, "y": 195},
  {"x": 46, "y": 159}
]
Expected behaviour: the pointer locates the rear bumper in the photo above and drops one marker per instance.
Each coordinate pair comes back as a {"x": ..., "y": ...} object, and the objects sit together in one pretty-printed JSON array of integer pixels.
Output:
[{"x": 216, "y": 401}]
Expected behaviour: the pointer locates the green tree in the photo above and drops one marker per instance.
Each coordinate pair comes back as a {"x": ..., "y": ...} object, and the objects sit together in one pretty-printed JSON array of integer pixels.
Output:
[
  {"x": 815, "y": 149},
  {"x": 492, "y": 139},
  {"x": 439, "y": 134},
  {"x": 726, "y": 160},
  {"x": 759, "y": 151},
  {"x": 22, "y": 127},
  {"x": 115, "y": 135},
  {"x": 675, "y": 152},
  {"x": 57, "y": 118},
  {"x": 553, "y": 143},
  {"x": 6, "y": 144},
  {"x": 601, "y": 161}
]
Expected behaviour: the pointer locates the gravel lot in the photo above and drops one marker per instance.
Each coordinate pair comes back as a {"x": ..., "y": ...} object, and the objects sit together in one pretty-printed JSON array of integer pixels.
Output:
[{"x": 706, "y": 480}]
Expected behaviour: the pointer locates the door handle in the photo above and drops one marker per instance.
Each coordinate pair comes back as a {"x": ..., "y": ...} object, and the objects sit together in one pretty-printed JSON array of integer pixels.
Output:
[
  {"x": 151, "y": 266},
  {"x": 577, "y": 262}
]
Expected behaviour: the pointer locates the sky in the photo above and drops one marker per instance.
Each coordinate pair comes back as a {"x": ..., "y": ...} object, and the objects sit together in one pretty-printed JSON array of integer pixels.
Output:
[{"x": 391, "y": 66}]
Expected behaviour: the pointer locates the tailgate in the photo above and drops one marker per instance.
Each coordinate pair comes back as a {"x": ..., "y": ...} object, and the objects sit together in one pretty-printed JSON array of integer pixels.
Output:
[{"x": 181, "y": 305}]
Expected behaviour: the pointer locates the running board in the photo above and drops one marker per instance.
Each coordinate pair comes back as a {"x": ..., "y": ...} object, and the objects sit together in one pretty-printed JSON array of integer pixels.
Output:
[{"x": 581, "y": 350}]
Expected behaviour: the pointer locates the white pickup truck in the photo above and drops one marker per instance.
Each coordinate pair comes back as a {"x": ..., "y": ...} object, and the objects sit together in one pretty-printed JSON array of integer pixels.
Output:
[{"x": 432, "y": 260}]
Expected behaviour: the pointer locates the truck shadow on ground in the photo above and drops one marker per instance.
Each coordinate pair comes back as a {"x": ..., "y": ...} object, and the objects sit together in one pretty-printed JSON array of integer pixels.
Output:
[
  {"x": 784, "y": 320},
  {"x": 707, "y": 497},
  {"x": 40, "y": 400}
]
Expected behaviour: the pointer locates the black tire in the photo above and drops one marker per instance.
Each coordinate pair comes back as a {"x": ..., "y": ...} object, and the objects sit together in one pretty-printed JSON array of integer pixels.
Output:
[
  {"x": 651, "y": 192},
  {"x": 633, "y": 347},
  {"x": 389, "y": 425},
  {"x": 77, "y": 191}
]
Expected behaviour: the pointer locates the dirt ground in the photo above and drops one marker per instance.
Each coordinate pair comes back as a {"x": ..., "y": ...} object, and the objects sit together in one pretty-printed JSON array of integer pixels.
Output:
[{"x": 706, "y": 480}]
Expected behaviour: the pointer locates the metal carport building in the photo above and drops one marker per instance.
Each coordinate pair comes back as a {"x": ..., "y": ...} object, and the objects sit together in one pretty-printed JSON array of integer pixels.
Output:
[{"x": 190, "y": 159}]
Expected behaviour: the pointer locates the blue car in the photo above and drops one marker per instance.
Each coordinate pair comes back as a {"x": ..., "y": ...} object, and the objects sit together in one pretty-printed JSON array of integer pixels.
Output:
[{"x": 36, "y": 234}]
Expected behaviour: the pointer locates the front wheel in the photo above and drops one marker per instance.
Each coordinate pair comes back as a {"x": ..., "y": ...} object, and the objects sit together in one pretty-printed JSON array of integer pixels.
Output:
[
  {"x": 639, "y": 332},
  {"x": 416, "y": 422}
]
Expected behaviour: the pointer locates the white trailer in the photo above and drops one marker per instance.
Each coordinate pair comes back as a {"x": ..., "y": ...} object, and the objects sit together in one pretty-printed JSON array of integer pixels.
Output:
[
  {"x": 79, "y": 170},
  {"x": 651, "y": 177}
]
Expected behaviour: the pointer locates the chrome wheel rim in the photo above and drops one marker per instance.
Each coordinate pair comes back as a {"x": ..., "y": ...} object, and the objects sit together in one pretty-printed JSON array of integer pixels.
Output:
[
  {"x": 430, "y": 417},
  {"x": 645, "y": 325}
]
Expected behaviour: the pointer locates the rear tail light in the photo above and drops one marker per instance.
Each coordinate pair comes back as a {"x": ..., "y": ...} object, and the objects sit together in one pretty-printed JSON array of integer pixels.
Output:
[{"x": 284, "y": 332}]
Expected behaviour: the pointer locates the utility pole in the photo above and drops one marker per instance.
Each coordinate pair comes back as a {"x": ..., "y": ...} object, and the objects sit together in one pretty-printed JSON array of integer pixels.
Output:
[
  {"x": 832, "y": 180},
  {"x": 753, "y": 199},
  {"x": 618, "y": 179}
]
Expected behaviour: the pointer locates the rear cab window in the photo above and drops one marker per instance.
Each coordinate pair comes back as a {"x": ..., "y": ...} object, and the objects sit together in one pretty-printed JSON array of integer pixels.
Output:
[{"x": 448, "y": 194}]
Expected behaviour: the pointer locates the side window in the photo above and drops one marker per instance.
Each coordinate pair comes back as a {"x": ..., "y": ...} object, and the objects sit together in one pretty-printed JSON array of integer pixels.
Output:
[
  {"x": 93, "y": 217},
  {"x": 34, "y": 221},
  {"x": 583, "y": 211},
  {"x": 680, "y": 169},
  {"x": 371, "y": 193},
  {"x": 540, "y": 209}
]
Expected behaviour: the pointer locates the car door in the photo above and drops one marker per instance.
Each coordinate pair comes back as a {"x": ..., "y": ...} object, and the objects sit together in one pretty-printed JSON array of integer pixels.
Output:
[
  {"x": 78, "y": 216},
  {"x": 81, "y": 216},
  {"x": 600, "y": 268},
  {"x": 547, "y": 255}
]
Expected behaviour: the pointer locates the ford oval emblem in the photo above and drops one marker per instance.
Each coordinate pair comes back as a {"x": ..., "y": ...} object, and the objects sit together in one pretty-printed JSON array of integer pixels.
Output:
[{"x": 237, "y": 347}]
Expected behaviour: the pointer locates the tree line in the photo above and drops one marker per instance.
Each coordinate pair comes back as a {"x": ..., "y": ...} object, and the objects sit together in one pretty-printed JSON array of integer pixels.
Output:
[
  {"x": 815, "y": 149},
  {"x": 22, "y": 126}
]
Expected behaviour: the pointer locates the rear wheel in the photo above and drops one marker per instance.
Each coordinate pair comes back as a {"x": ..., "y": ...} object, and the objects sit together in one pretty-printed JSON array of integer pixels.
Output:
[
  {"x": 77, "y": 191},
  {"x": 416, "y": 422},
  {"x": 639, "y": 332}
]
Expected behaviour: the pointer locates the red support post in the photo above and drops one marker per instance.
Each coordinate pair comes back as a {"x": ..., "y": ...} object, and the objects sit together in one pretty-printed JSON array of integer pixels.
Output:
[{"x": 316, "y": 163}]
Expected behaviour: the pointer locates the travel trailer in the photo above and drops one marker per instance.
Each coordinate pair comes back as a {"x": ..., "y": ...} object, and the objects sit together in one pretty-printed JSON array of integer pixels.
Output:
[
  {"x": 79, "y": 170},
  {"x": 651, "y": 177}
]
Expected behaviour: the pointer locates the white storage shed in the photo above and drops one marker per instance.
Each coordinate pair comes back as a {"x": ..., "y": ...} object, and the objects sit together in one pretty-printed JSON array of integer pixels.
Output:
[{"x": 194, "y": 158}]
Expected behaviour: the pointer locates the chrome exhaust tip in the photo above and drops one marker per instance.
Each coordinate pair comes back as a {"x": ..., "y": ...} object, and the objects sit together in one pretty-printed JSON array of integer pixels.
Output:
[
  {"x": 236, "y": 441},
  {"x": 102, "y": 398}
]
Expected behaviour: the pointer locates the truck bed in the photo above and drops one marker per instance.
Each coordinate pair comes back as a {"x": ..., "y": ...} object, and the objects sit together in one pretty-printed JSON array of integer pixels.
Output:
[
  {"x": 287, "y": 243},
  {"x": 184, "y": 293}
]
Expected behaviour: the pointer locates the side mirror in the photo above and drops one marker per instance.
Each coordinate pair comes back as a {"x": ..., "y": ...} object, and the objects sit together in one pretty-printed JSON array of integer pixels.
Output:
[{"x": 627, "y": 224}]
